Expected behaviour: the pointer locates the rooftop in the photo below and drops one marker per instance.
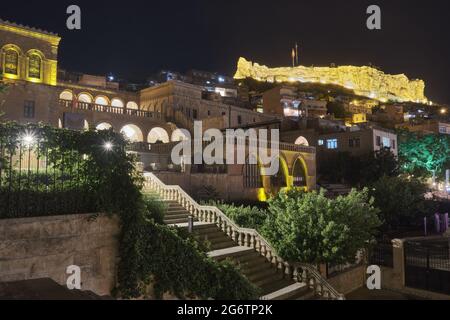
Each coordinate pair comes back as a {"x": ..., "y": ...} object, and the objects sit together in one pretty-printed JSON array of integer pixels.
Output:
[{"x": 30, "y": 31}]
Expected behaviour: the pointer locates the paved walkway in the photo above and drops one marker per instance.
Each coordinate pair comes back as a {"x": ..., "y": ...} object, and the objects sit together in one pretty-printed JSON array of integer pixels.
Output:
[{"x": 366, "y": 294}]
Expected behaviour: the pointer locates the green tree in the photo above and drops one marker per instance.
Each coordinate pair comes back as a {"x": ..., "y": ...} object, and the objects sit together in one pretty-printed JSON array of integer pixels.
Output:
[
  {"x": 380, "y": 163},
  {"x": 424, "y": 154},
  {"x": 401, "y": 201},
  {"x": 309, "y": 227}
]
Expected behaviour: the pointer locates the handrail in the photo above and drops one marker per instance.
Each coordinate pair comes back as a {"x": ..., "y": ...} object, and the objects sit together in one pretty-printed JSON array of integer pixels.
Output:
[{"x": 299, "y": 272}]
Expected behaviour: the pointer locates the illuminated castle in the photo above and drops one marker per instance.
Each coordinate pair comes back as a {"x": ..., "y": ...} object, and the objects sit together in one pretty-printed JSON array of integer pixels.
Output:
[{"x": 364, "y": 81}]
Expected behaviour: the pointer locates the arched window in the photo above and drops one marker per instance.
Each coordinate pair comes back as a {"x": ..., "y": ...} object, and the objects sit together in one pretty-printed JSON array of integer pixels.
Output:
[
  {"x": 158, "y": 135},
  {"x": 34, "y": 66},
  {"x": 66, "y": 95},
  {"x": 103, "y": 101},
  {"x": 299, "y": 174},
  {"x": 84, "y": 97},
  {"x": 117, "y": 103},
  {"x": 301, "y": 141},
  {"x": 132, "y": 133},
  {"x": 11, "y": 62},
  {"x": 279, "y": 179},
  {"x": 132, "y": 105}
]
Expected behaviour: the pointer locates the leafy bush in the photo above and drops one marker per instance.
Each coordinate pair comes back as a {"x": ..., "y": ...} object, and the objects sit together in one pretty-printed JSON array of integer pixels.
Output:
[
  {"x": 245, "y": 216},
  {"x": 158, "y": 254},
  {"x": 308, "y": 227},
  {"x": 401, "y": 201},
  {"x": 35, "y": 203},
  {"x": 155, "y": 208}
]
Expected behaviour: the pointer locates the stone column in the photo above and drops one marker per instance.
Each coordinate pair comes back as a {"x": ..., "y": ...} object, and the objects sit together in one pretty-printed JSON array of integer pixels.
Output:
[{"x": 399, "y": 262}]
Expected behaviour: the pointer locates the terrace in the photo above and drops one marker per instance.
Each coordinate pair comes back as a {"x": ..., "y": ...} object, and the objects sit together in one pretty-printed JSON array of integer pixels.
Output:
[{"x": 78, "y": 105}]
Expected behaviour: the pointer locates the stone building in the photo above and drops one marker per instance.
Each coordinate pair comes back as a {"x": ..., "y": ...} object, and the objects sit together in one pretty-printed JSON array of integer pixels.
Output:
[
  {"x": 151, "y": 117},
  {"x": 287, "y": 101}
]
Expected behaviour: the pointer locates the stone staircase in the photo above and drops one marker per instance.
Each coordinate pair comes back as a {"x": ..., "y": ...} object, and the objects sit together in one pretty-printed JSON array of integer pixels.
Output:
[{"x": 277, "y": 279}]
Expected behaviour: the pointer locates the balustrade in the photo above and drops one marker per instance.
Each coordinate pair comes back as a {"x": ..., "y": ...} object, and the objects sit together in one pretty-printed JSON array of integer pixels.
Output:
[{"x": 303, "y": 273}]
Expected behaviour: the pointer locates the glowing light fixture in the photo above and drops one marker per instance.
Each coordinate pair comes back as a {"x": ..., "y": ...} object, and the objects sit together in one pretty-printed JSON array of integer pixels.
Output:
[
  {"x": 108, "y": 146},
  {"x": 28, "y": 139}
]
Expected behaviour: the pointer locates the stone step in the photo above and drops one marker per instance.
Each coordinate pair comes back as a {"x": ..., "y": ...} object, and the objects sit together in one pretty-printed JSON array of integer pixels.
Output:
[
  {"x": 168, "y": 212},
  {"x": 211, "y": 237},
  {"x": 257, "y": 275},
  {"x": 221, "y": 245},
  {"x": 275, "y": 286},
  {"x": 254, "y": 265},
  {"x": 175, "y": 216},
  {"x": 229, "y": 252},
  {"x": 250, "y": 257},
  {"x": 292, "y": 291},
  {"x": 197, "y": 225},
  {"x": 262, "y": 281},
  {"x": 307, "y": 295},
  {"x": 259, "y": 271},
  {"x": 175, "y": 221}
]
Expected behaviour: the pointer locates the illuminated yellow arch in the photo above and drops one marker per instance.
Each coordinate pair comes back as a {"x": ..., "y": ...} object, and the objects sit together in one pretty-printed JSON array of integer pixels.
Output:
[
  {"x": 285, "y": 168},
  {"x": 302, "y": 161},
  {"x": 262, "y": 195}
]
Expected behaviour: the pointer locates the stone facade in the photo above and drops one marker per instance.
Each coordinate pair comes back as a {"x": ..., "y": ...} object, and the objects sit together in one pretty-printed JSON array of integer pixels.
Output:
[
  {"x": 33, "y": 248},
  {"x": 28, "y": 43},
  {"x": 184, "y": 103}
]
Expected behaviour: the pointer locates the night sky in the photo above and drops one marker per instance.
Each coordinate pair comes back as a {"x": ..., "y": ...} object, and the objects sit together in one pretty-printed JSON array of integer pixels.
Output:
[{"x": 134, "y": 39}]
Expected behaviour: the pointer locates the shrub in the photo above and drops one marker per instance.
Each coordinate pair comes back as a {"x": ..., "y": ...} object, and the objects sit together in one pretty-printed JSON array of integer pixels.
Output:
[
  {"x": 155, "y": 208},
  {"x": 244, "y": 216},
  {"x": 308, "y": 227}
]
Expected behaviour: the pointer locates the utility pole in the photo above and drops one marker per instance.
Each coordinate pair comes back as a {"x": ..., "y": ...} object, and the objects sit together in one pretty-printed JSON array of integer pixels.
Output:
[{"x": 296, "y": 53}]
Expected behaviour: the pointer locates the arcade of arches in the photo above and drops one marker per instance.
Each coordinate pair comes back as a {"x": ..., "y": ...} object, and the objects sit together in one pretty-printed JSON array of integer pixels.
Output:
[{"x": 284, "y": 179}]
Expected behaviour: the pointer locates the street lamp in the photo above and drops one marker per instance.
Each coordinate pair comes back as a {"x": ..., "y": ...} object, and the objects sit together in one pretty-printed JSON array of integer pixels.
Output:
[{"x": 108, "y": 146}]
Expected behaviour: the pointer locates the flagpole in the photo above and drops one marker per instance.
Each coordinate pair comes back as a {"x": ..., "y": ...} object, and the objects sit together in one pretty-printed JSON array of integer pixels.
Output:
[{"x": 293, "y": 57}]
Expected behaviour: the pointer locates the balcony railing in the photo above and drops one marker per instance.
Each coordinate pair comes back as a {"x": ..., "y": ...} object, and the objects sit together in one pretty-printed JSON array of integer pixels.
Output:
[
  {"x": 109, "y": 109},
  {"x": 166, "y": 148}
]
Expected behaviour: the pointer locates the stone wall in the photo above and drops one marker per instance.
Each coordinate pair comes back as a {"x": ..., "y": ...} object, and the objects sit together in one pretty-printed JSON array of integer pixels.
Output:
[
  {"x": 349, "y": 280},
  {"x": 32, "y": 248}
]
